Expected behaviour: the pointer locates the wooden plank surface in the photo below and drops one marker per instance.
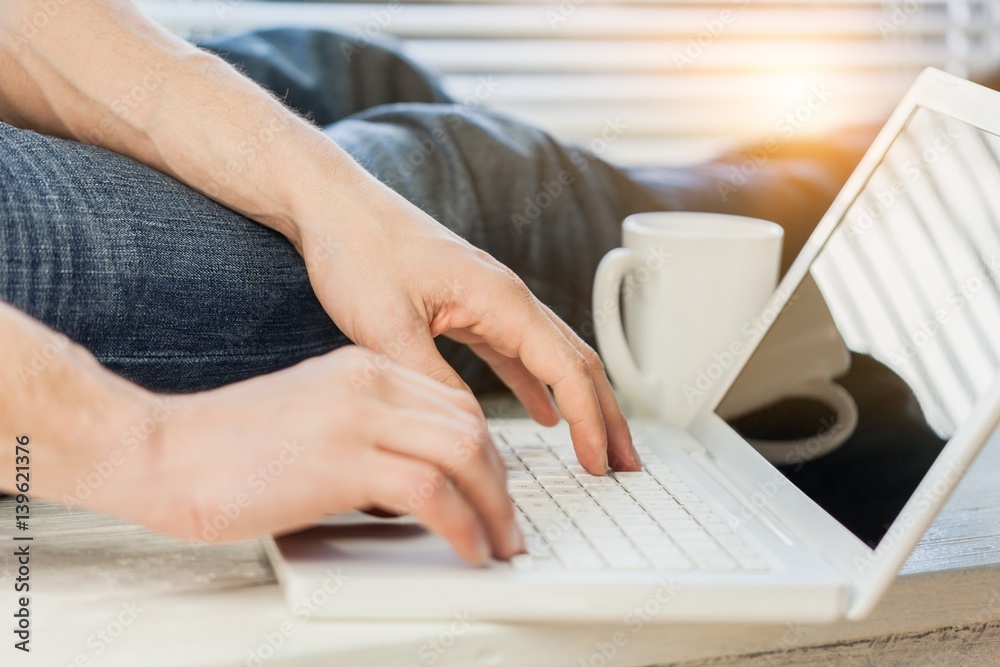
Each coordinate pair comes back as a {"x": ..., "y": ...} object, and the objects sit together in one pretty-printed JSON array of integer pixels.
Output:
[{"x": 220, "y": 605}]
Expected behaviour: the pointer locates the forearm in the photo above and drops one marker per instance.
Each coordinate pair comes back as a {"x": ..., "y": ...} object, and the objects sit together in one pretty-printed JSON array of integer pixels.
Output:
[
  {"x": 73, "y": 410},
  {"x": 100, "y": 72}
]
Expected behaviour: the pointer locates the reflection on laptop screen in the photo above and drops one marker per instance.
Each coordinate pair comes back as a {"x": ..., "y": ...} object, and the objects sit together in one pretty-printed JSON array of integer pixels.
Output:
[{"x": 901, "y": 309}]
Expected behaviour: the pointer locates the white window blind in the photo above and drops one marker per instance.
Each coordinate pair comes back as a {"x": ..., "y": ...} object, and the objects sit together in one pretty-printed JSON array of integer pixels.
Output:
[{"x": 656, "y": 81}]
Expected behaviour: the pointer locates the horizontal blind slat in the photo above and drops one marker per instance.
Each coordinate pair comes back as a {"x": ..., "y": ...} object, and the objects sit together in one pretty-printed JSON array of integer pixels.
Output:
[{"x": 569, "y": 65}]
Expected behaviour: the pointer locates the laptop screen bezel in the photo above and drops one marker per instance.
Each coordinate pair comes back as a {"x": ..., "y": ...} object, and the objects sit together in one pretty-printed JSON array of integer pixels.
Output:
[{"x": 869, "y": 571}]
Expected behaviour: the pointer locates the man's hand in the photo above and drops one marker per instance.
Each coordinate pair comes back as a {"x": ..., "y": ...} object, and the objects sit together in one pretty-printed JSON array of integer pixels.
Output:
[
  {"x": 348, "y": 430},
  {"x": 395, "y": 278}
]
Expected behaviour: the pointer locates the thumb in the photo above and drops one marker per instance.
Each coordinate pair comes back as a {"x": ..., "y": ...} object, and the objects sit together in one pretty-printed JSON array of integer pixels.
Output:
[{"x": 419, "y": 353}]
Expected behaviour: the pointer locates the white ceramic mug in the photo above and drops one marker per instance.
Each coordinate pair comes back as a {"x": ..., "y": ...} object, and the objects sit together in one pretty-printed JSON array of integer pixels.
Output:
[
  {"x": 692, "y": 286},
  {"x": 687, "y": 282}
]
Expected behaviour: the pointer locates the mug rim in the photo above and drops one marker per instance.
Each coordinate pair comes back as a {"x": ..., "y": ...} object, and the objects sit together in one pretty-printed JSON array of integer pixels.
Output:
[{"x": 699, "y": 225}]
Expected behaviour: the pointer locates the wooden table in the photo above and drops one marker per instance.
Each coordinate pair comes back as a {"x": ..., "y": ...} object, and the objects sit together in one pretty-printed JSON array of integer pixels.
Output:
[{"x": 106, "y": 592}]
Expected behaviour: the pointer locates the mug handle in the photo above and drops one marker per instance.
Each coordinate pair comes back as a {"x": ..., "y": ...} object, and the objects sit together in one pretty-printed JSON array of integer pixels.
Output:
[
  {"x": 789, "y": 452},
  {"x": 610, "y": 333}
]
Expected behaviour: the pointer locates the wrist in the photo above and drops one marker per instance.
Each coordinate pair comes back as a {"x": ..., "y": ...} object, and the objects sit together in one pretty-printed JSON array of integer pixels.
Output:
[
  {"x": 91, "y": 434},
  {"x": 331, "y": 197},
  {"x": 72, "y": 410}
]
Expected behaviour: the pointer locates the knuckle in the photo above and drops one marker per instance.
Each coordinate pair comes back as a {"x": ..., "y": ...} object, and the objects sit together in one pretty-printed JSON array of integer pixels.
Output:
[
  {"x": 353, "y": 353},
  {"x": 187, "y": 520},
  {"x": 443, "y": 376},
  {"x": 511, "y": 279},
  {"x": 421, "y": 487},
  {"x": 592, "y": 358},
  {"x": 507, "y": 511},
  {"x": 578, "y": 363},
  {"x": 473, "y": 444},
  {"x": 466, "y": 401},
  {"x": 464, "y": 523},
  {"x": 364, "y": 411}
]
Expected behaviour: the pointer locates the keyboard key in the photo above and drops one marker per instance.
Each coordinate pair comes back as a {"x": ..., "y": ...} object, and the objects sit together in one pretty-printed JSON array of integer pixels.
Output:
[
  {"x": 594, "y": 520},
  {"x": 537, "y": 546},
  {"x": 533, "y": 498},
  {"x": 717, "y": 530},
  {"x": 549, "y": 483},
  {"x": 651, "y": 494},
  {"x": 616, "y": 508},
  {"x": 698, "y": 509},
  {"x": 729, "y": 541},
  {"x": 633, "y": 518},
  {"x": 677, "y": 488},
  {"x": 597, "y": 533},
  {"x": 701, "y": 547},
  {"x": 608, "y": 544},
  {"x": 626, "y": 560},
  {"x": 650, "y": 529},
  {"x": 566, "y": 492},
  {"x": 523, "y": 562},
  {"x": 578, "y": 556},
  {"x": 662, "y": 505},
  {"x": 598, "y": 482},
  {"x": 647, "y": 544},
  {"x": 535, "y": 455},
  {"x": 670, "y": 562},
  {"x": 579, "y": 506},
  {"x": 528, "y": 494},
  {"x": 567, "y": 537},
  {"x": 690, "y": 535},
  {"x": 556, "y": 439},
  {"x": 527, "y": 484},
  {"x": 611, "y": 498},
  {"x": 649, "y": 490},
  {"x": 569, "y": 503},
  {"x": 714, "y": 562},
  {"x": 629, "y": 476},
  {"x": 675, "y": 525},
  {"x": 544, "y": 520},
  {"x": 543, "y": 474},
  {"x": 661, "y": 547},
  {"x": 616, "y": 500},
  {"x": 661, "y": 470},
  {"x": 674, "y": 514},
  {"x": 545, "y": 467}
]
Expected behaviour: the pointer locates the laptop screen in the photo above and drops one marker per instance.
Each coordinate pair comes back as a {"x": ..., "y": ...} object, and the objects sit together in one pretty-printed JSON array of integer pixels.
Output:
[{"x": 885, "y": 348}]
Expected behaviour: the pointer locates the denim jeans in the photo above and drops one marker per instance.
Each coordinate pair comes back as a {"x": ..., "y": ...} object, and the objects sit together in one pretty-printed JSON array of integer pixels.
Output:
[{"x": 178, "y": 293}]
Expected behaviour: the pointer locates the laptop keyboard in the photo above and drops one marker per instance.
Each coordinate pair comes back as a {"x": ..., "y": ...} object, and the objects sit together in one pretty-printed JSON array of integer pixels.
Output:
[{"x": 623, "y": 521}]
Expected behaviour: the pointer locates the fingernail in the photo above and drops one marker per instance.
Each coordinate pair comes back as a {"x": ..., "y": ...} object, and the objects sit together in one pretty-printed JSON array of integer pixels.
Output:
[
  {"x": 516, "y": 540},
  {"x": 483, "y": 551},
  {"x": 635, "y": 454}
]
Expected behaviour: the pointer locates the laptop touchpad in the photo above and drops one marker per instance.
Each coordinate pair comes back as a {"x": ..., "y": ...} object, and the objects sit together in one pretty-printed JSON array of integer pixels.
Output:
[{"x": 360, "y": 538}]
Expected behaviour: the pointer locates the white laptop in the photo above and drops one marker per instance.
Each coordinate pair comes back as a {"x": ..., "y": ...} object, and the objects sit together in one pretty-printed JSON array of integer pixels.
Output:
[{"x": 906, "y": 263}]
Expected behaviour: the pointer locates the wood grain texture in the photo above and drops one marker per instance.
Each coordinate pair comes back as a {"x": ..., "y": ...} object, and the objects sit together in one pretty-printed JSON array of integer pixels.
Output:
[{"x": 219, "y": 605}]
